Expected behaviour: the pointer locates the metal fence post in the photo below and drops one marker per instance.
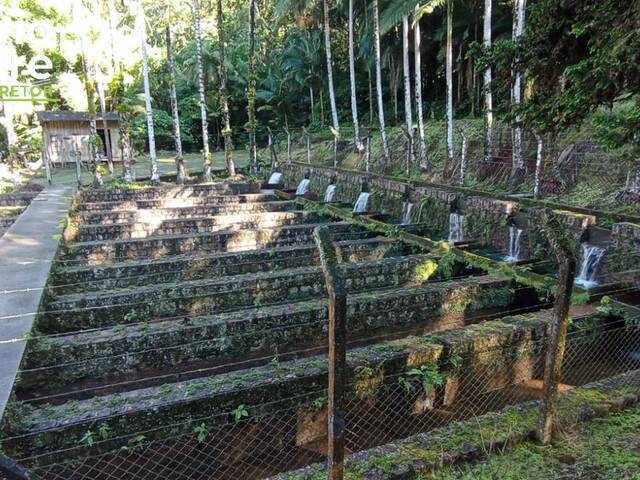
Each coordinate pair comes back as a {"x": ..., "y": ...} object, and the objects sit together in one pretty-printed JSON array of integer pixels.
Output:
[
  {"x": 559, "y": 321},
  {"x": 337, "y": 353}
]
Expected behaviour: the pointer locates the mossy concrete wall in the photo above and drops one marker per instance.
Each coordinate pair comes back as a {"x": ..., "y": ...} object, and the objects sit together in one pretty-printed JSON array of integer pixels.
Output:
[{"x": 485, "y": 219}]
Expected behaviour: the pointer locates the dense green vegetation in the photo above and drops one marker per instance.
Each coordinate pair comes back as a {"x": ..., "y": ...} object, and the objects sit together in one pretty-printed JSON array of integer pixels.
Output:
[{"x": 578, "y": 61}]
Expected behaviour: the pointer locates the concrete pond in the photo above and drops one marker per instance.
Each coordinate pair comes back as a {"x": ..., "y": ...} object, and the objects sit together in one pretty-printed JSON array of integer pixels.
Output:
[{"x": 172, "y": 310}]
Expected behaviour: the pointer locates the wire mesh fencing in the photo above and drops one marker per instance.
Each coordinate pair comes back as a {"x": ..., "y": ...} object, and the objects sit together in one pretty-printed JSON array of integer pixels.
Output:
[
  {"x": 262, "y": 439},
  {"x": 572, "y": 168}
]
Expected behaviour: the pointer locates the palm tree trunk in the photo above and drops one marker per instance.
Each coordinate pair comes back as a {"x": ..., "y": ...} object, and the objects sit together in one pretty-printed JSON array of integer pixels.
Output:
[
  {"x": 376, "y": 43},
  {"x": 140, "y": 20},
  {"x": 408, "y": 114},
  {"x": 418, "y": 93},
  {"x": 224, "y": 102},
  {"x": 251, "y": 89},
  {"x": 327, "y": 47},
  {"x": 111, "y": 40},
  {"x": 517, "y": 167},
  {"x": 125, "y": 151},
  {"x": 488, "y": 95},
  {"x": 103, "y": 112},
  {"x": 449, "y": 81},
  {"x": 206, "y": 154},
  {"x": 352, "y": 81},
  {"x": 311, "y": 104},
  {"x": 180, "y": 174},
  {"x": 370, "y": 95},
  {"x": 89, "y": 90}
]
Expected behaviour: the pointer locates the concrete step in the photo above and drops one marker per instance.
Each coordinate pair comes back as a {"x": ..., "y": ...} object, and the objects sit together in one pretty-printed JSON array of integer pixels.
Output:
[
  {"x": 228, "y": 240},
  {"x": 80, "y": 311},
  {"x": 76, "y": 279},
  {"x": 172, "y": 202},
  {"x": 151, "y": 226},
  {"x": 152, "y": 193},
  {"x": 61, "y": 360},
  {"x": 109, "y": 217}
]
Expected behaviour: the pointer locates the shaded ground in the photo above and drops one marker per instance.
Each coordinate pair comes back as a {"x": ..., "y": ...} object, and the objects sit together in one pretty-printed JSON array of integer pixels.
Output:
[{"x": 604, "y": 449}]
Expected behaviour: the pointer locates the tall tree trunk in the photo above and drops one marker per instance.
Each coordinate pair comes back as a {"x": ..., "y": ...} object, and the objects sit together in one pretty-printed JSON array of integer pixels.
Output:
[
  {"x": 224, "y": 102},
  {"x": 449, "y": 81},
  {"x": 394, "y": 73},
  {"x": 370, "y": 95},
  {"x": 111, "y": 40},
  {"x": 105, "y": 128},
  {"x": 352, "y": 81},
  {"x": 488, "y": 95},
  {"x": 311, "y": 104},
  {"x": 91, "y": 108},
  {"x": 180, "y": 174},
  {"x": 418, "y": 93},
  {"x": 125, "y": 150},
  {"x": 206, "y": 154},
  {"x": 408, "y": 114},
  {"x": 251, "y": 89},
  {"x": 517, "y": 167},
  {"x": 376, "y": 43},
  {"x": 327, "y": 48},
  {"x": 140, "y": 21}
]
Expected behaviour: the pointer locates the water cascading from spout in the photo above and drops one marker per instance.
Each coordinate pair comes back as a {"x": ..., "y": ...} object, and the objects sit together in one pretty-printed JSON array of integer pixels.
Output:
[
  {"x": 407, "y": 208},
  {"x": 590, "y": 258},
  {"x": 275, "y": 178},
  {"x": 303, "y": 187},
  {"x": 329, "y": 193},
  {"x": 455, "y": 227},
  {"x": 513, "y": 253},
  {"x": 362, "y": 203}
]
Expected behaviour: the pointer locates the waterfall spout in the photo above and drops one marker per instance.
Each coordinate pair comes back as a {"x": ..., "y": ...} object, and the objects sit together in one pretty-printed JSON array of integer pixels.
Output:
[
  {"x": 455, "y": 227},
  {"x": 303, "y": 187},
  {"x": 407, "y": 208},
  {"x": 590, "y": 258},
  {"x": 362, "y": 203},
  {"x": 329, "y": 193},
  {"x": 275, "y": 178},
  {"x": 513, "y": 254}
]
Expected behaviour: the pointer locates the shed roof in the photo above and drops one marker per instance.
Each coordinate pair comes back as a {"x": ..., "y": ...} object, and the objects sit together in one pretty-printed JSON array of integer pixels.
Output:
[{"x": 69, "y": 116}]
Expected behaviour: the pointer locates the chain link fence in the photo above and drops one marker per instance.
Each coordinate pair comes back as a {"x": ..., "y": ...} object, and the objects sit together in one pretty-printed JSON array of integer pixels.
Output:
[{"x": 574, "y": 168}]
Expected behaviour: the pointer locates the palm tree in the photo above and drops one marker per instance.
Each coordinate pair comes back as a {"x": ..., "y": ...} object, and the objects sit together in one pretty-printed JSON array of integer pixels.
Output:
[
  {"x": 352, "y": 81},
  {"x": 517, "y": 167},
  {"x": 449, "y": 82},
  {"x": 206, "y": 154},
  {"x": 140, "y": 27},
  {"x": 376, "y": 42},
  {"x": 488, "y": 97},
  {"x": 407, "y": 86},
  {"x": 327, "y": 47},
  {"x": 180, "y": 174},
  {"x": 251, "y": 88},
  {"x": 224, "y": 102},
  {"x": 418, "y": 91}
]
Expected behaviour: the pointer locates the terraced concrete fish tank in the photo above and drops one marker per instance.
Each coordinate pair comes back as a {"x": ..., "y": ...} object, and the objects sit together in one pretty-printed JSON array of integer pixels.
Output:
[{"x": 183, "y": 332}]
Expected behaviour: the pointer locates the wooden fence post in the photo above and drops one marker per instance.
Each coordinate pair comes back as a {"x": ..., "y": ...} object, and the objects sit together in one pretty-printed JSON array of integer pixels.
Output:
[
  {"x": 559, "y": 321},
  {"x": 337, "y": 352}
]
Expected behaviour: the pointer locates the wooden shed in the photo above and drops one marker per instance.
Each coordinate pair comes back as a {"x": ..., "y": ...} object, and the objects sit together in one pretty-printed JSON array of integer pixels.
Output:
[{"x": 65, "y": 135}]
